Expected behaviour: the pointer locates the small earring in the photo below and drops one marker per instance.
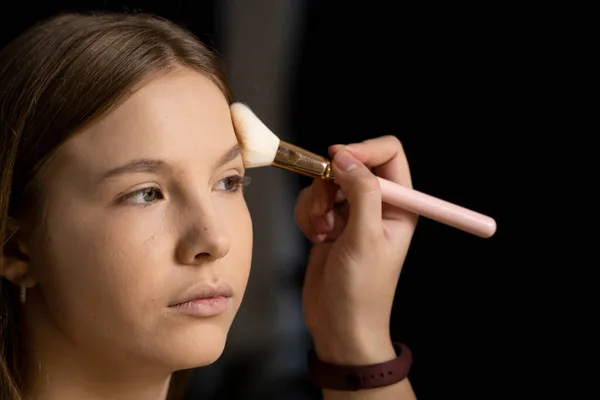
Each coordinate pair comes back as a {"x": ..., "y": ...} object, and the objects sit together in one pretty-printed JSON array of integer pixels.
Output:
[{"x": 23, "y": 294}]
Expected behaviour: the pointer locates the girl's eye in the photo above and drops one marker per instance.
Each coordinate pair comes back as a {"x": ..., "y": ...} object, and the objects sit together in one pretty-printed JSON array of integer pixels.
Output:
[
  {"x": 150, "y": 195},
  {"x": 143, "y": 197},
  {"x": 233, "y": 183}
]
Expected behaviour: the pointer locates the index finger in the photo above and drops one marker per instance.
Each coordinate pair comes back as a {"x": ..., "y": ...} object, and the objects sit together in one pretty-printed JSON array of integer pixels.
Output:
[{"x": 385, "y": 155}]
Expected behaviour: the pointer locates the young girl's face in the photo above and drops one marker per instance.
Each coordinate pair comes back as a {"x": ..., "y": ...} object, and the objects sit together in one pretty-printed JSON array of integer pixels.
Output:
[{"x": 144, "y": 210}]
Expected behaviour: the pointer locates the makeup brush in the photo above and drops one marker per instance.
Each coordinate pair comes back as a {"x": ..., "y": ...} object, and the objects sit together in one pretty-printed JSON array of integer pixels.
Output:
[{"x": 261, "y": 147}]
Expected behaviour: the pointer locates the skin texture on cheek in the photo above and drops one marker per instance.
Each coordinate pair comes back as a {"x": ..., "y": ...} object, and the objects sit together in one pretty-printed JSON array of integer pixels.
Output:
[{"x": 102, "y": 273}]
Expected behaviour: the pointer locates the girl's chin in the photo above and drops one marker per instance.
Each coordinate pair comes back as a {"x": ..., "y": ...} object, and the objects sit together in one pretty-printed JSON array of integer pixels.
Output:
[{"x": 198, "y": 351}]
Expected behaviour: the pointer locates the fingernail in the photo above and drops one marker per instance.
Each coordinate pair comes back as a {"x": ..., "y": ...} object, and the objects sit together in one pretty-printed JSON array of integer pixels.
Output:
[
  {"x": 329, "y": 221},
  {"x": 345, "y": 161},
  {"x": 323, "y": 224},
  {"x": 320, "y": 238}
]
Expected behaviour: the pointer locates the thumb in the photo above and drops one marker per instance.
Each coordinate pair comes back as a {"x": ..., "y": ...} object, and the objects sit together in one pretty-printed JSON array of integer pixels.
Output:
[{"x": 362, "y": 191}]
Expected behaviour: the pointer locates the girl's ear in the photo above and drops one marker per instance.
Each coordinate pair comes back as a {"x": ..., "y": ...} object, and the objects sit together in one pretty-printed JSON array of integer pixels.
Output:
[{"x": 15, "y": 262}]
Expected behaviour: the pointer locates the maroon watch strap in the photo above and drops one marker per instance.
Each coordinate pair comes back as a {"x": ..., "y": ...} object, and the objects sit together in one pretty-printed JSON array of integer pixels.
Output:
[{"x": 350, "y": 378}]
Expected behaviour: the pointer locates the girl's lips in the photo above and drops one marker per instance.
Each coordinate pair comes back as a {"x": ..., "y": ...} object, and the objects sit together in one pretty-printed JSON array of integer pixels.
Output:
[
  {"x": 204, "y": 299},
  {"x": 204, "y": 306}
]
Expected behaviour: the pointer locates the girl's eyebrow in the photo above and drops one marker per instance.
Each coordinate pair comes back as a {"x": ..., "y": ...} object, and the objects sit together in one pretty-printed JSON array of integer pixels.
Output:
[
  {"x": 234, "y": 152},
  {"x": 155, "y": 166},
  {"x": 144, "y": 165}
]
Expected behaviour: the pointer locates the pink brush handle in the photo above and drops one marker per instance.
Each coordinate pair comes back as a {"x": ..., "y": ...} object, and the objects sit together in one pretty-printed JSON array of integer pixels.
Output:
[{"x": 437, "y": 209}]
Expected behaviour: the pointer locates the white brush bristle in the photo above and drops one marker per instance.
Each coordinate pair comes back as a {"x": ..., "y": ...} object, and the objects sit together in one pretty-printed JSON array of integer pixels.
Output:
[{"x": 259, "y": 144}]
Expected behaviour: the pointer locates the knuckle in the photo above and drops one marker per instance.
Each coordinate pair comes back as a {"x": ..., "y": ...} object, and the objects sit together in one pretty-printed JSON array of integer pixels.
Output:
[{"x": 394, "y": 141}]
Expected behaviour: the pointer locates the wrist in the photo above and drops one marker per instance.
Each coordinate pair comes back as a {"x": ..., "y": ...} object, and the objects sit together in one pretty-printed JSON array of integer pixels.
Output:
[
  {"x": 367, "y": 350},
  {"x": 385, "y": 375}
]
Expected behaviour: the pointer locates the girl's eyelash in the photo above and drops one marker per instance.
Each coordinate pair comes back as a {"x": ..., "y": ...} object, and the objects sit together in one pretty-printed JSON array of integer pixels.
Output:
[
  {"x": 238, "y": 182},
  {"x": 233, "y": 184},
  {"x": 132, "y": 195}
]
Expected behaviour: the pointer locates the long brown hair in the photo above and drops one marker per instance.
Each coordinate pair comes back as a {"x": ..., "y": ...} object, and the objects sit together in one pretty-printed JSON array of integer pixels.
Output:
[{"x": 54, "y": 79}]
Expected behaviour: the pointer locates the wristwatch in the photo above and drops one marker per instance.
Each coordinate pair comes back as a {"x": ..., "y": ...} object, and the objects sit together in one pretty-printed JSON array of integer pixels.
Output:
[{"x": 351, "y": 378}]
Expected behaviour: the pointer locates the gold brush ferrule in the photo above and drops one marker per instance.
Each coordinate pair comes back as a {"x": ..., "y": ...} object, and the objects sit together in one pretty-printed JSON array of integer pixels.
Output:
[{"x": 296, "y": 159}]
